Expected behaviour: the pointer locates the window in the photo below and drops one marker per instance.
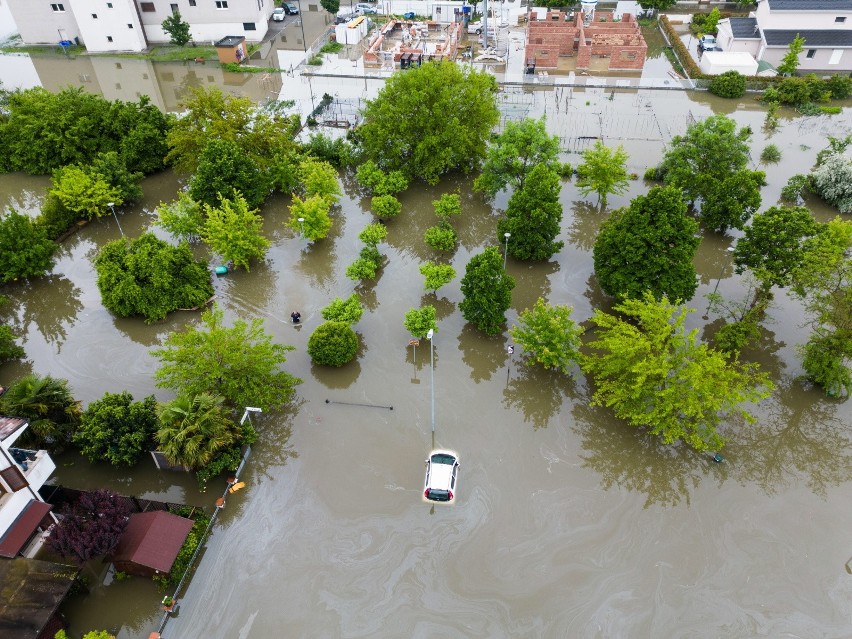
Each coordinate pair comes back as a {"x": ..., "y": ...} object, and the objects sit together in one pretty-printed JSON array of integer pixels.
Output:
[
  {"x": 118, "y": 65},
  {"x": 118, "y": 85},
  {"x": 221, "y": 4},
  {"x": 191, "y": 3},
  {"x": 174, "y": 8},
  {"x": 94, "y": 16},
  {"x": 811, "y": 53},
  {"x": 840, "y": 19},
  {"x": 59, "y": 8},
  {"x": 129, "y": 26},
  {"x": 109, "y": 38},
  {"x": 147, "y": 7},
  {"x": 249, "y": 26},
  {"x": 14, "y": 478},
  {"x": 109, "y": 5}
]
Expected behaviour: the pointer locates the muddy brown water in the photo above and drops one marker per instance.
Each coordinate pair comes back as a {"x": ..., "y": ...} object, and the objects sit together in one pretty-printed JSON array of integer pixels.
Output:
[{"x": 567, "y": 523}]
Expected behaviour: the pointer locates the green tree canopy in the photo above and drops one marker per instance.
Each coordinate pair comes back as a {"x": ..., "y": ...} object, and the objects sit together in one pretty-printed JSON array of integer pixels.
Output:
[
  {"x": 43, "y": 131},
  {"x": 515, "y": 153},
  {"x": 178, "y": 30},
  {"x": 113, "y": 169},
  {"x": 400, "y": 131},
  {"x": 183, "y": 219},
  {"x": 147, "y": 277},
  {"x": 487, "y": 291},
  {"x": 319, "y": 178},
  {"x": 603, "y": 171},
  {"x": 774, "y": 244},
  {"x": 313, "y": 212},
  {"x": 654, "y": 374},
  {"x": 385, "y": 206},
  {"x": 657, "y": 5},
  {"x": 235, "y": 231},
  {"x": 790, "y": 61},
  {"x": 241, "y": 363},
  {"x": 710, "y": 164},
  {"x": 367, "y": 266},
  {"x": 534, "y": 216},
  {"x": 332, "y": 6},
  {"x": 83, "y": 192},
  {"x": 49, "y": 405},
  {"x": 333, "y": 344},
  {"x": 263, "y": 136},
  {"x": 447, "y": 206},
  {"x": 348, "y": 310},
  {"x": 377, "y": 182},
  {"x": 193, "y": 431},
  {"x": 117, "y": 429},
  {"x": 832, "y": 181},
  {"x": 25, "y": 249},
  {"x": 549, "y": 336},
  {"x": 418, "y": 321},
  {"x": 373, "y": 234},
  {"x": 436, "y": 275},
  {"x": 648, "y": 246},
  {"x": 223, "y": 169},
  {"x": 441, "y": 237}
]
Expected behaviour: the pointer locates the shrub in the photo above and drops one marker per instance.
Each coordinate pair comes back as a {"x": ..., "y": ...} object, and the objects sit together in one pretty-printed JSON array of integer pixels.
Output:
[
  {"x": 730, "y": 84},
  {"x": 840, "y": 86},
  {"x": 771, "y": 154},
  {"x": 653, "y": 174},
  {"x": 441, "y": 237},
  {"x": 795, "y": 188},
  {"x": 333, "y": 344},
  {"x": 25, "y": 248},
  {"x": 347, "y": 311},
  {"x": 385, "y": 206},
  {"x": 331, "y": 47},
  {"x": 55, "y": 217},
  {"x": 366, "y": 266},
  {"x": 565, "y": 170}
]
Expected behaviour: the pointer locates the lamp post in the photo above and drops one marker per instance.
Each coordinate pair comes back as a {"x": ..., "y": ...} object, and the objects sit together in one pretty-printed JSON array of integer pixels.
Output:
[
  {"x": 730, "y": 251},
  {"x": 506, "y": 249},
  {"x": 301, "y": 227},
  {"x": 111, "y": 206},
  {"x": 249, "y": 409},
  {"x": 431, "y": 337}
]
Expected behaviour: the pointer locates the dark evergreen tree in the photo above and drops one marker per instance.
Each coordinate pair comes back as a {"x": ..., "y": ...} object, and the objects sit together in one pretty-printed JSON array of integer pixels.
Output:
[
  {"x": 534, "y": 216},
  {"x": 487, "y": 291}
]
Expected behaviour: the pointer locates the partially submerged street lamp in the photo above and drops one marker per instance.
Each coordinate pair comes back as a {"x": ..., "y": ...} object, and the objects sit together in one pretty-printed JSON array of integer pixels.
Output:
[
  {"x": 111, "y": 205},
  {"x": 249, "y": 409},
  {"x": 431, "y": 337},
  {"x": 506, "y": 249}
]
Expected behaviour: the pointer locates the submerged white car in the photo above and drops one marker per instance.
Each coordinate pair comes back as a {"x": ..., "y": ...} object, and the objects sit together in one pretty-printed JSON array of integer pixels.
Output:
[
  {"x": 278, "y": 14},
  {"x": 442, "y": 469}
]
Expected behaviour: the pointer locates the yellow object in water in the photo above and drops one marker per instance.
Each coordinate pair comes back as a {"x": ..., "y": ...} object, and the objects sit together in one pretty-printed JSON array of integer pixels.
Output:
[{"x": 237, "y": 486}]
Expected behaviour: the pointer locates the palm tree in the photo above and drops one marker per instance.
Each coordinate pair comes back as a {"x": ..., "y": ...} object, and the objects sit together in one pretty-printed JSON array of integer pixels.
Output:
[
  {"x": 47, "y": 402},
  {"x": 194, "y": 430}
]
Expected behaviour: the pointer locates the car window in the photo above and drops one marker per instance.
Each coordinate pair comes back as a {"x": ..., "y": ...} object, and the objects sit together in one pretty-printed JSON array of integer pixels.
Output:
[{"x": 441, "y": 458}]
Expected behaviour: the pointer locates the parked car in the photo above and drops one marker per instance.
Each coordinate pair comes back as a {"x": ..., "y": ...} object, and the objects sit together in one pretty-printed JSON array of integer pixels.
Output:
[
  {"x": 441, "y": 475},
  {"x": 475, "y": 27},
  {"x": 366, "y": 9},
  {"x": 290, "y": 8},
  {"x": 343, "y": 18},
  {"x": 708, "y": 43},
  {"x": 278, "y": 14}
]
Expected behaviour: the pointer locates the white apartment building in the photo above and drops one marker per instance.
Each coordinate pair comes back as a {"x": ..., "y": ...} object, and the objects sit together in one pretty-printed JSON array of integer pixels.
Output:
[
  {"x": 133, "y": 25},
  {"x": 22, "y": 472}
]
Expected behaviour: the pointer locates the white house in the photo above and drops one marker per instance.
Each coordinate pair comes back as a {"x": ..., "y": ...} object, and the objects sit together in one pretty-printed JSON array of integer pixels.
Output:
[
  {"x": 826, "y": 26},
  {"x": 22, "y": 472},
  {"x": 132, "y": 25}
]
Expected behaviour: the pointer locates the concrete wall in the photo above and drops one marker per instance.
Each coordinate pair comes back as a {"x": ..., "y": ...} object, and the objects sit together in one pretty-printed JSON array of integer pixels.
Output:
[
  {"x": 38, "y": 23},
  {"x": 105, "y": 28},
  {"x": 800, "y": 19},
  {"x": 207, "y": 22},
  {"x": 820, "y": 61}
]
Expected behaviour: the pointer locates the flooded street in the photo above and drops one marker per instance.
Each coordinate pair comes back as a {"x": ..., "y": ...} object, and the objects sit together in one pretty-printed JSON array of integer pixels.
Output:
[{"x": 567, "y": 523}]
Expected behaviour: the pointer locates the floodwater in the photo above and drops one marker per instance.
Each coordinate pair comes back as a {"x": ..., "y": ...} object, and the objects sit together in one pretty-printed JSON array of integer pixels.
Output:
[{"x": 567, "y": 523}]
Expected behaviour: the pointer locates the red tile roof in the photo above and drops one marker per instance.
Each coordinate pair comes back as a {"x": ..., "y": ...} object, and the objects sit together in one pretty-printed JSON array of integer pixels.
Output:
[
  {"x": 153, "y": 539},
  {"x": 22, "y": 529},
  {"x": 9, "y": 425}
]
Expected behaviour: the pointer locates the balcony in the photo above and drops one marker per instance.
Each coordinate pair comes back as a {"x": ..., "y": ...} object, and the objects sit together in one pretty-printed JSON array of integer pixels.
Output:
[{"x": 35, "y": 465}]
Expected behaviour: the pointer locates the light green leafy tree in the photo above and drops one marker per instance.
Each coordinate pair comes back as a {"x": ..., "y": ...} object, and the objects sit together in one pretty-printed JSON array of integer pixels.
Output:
[
  {"x": 373, "y": 234},
  {"x": 399, "y": 130},
  {"x": 603, "y": 171},
  {"x": 240, "y": 362},
  {"x": 487, "y": 291},
  {"x": 117, "y": 429},
  {"x": 183, "y": 219},
  {"x": 436, "y": 275},
  {"x": 315, "y": 221},
  {"x": 347, "y": 310},
  {"x": 377, "y": 182},
  {"x": 790, "y": 61},
  {"x": 319, "y": 178},
  {"x": 655, "y": 374},
  {"x": 441, "y": 237},
  {"x": 367, "y": 266},
  {"x": 514, "y": 153},
  {"x": 333, "y": 344},
  {"x": 549, "y": 336},
  {"x": 385, "y": 206},
  {"x": 85, "y": 193},
  {"x": 178, "y": 30},
  {"x": 418, "y": 321},
  {"x": 235, "y": 231},
  {"x": 447, "y": 206}
]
